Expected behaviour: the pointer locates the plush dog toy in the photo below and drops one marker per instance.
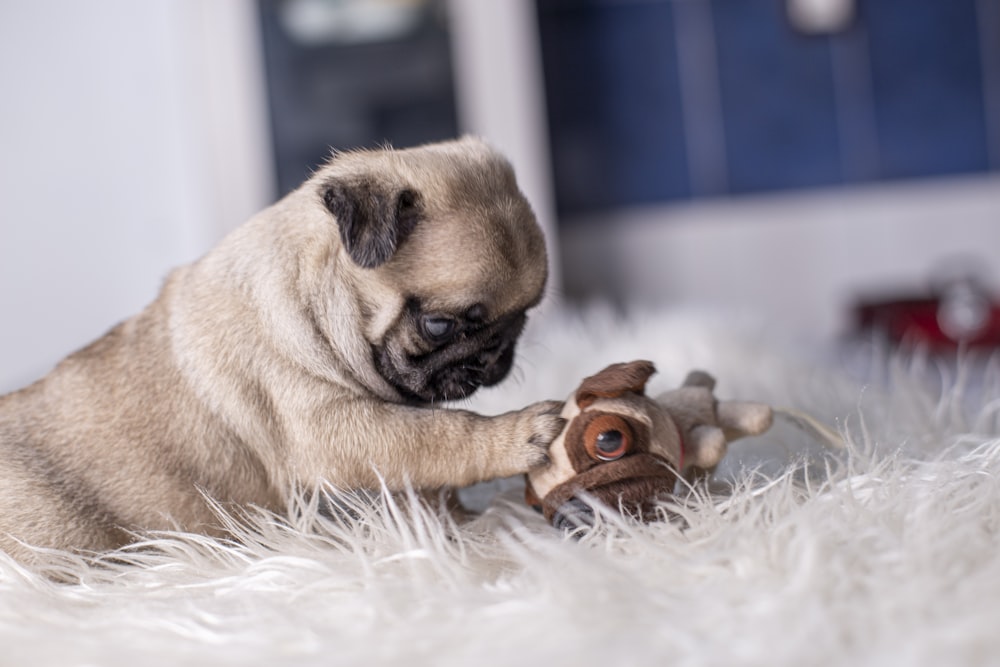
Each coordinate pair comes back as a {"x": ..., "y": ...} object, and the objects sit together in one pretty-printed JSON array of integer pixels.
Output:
[{"x": 627, "y": 450}]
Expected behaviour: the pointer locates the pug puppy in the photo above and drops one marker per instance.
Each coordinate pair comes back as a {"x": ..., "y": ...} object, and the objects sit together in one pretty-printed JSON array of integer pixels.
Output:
[{"x": 315, "y": 342}]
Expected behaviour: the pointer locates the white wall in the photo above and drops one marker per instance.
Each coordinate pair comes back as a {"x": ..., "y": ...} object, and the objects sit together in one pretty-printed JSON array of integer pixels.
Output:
[
  {"x": 799, "y": 259},
  {"x": 133, "y": 136}
]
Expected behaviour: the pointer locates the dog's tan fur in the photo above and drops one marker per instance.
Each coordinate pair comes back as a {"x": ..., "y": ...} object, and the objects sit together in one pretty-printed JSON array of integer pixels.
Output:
[{"x": 252, "y": 372}]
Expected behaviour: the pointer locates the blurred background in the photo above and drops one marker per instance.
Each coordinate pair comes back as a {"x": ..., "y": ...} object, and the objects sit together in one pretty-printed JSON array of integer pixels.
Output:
[{"x": 806, "y": 160}]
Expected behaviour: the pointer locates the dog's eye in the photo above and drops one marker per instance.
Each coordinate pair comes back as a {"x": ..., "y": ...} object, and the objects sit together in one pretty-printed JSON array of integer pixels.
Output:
[
  {"x": 438, "y": 328},
  {"x": 608, "y": 438}
]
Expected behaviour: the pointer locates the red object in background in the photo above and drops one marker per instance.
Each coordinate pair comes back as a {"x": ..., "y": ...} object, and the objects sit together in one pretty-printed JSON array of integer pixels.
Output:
[{"x": 961, "y": 313}]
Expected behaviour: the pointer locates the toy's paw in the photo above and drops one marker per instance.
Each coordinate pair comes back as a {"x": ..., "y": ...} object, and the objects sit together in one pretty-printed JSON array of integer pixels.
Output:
[
  {"x": 706, "y": 445},
  {"x": 742, "y": 418}
]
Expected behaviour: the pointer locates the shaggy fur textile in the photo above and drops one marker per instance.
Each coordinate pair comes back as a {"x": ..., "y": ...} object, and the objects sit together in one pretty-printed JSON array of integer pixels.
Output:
[{"x": 883, "y": 554}]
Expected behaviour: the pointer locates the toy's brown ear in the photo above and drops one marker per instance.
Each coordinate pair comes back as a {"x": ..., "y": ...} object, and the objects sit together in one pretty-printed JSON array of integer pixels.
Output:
[
  {"x": 699, "y": 379},
  {"x": 614, "y": 381}
]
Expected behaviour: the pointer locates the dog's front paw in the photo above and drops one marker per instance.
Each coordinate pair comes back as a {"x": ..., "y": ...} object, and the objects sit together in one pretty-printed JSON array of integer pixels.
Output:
[{"x": 533, "y": 430}]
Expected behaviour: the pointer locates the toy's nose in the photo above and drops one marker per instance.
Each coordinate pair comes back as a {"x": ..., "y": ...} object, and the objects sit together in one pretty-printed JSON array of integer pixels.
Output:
[
  {"x": 573, "y": 514},
  {"x": 633, "y": 484}
]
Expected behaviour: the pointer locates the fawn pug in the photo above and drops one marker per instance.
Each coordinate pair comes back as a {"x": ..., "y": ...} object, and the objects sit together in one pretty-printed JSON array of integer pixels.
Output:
[{"x": 314, "y": 342}]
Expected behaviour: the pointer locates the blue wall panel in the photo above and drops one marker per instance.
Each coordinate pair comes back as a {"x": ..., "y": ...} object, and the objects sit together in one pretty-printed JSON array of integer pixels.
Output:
[
  {"x": 897, "y": 93},
  {"x": 613, "y": 104},
  {"x": 928, "y": 86},
  {"x": 778, "y": 99}
]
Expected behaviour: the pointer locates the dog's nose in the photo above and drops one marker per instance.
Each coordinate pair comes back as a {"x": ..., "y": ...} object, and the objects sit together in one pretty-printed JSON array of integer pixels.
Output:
[{"x": 490, "y": 355}]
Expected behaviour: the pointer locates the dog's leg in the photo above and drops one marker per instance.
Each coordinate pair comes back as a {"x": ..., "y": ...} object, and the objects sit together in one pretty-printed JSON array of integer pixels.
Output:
[{"x": 424, "y": 448}]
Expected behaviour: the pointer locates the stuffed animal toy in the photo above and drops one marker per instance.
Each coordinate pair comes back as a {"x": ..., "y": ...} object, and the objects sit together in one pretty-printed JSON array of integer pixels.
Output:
[{"x": 626, "y": 450}]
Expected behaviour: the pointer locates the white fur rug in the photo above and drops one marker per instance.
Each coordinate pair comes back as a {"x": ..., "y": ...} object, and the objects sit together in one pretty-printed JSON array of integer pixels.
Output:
[{"x": 886, "y": 554}]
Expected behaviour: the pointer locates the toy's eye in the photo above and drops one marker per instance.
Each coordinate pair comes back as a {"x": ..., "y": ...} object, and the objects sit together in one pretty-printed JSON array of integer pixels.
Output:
[
  {"x": 607, "y": 438},
  {"x": 438, "y": 328},
  {"x": 610, "y": 444}
]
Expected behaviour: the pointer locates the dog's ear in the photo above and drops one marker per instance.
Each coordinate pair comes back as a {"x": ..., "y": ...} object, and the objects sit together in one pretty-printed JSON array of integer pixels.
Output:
[
  {"x": 614, "y": 381},
  {"x": 373, "y": 219}
]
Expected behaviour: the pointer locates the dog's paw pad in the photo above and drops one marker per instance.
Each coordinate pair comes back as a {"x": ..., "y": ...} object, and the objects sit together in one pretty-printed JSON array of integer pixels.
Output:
[{"x": 544, "y": 425}]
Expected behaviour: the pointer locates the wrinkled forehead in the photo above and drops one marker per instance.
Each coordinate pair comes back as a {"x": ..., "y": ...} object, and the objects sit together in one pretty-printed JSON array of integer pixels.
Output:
[
  {"x": 476, "y": 238},
  {"x": 474, "y": 254}
]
